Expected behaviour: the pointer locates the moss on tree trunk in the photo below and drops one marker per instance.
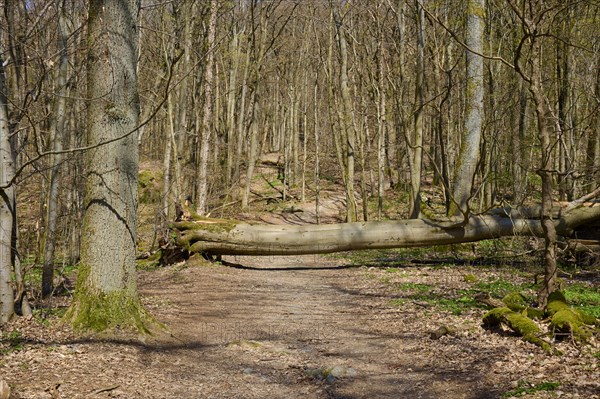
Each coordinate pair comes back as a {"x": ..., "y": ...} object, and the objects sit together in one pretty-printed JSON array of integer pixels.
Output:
[
  {"x": 98, "y": 311},
  {"x": 566, "y": 320},
  {"x": 517, "y": 322}
]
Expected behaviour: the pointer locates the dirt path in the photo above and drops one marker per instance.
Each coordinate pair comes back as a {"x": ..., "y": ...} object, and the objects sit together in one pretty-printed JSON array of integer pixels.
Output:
[
  {"x": 308, "y": 332},
  {"x": 298, "y": 327}
]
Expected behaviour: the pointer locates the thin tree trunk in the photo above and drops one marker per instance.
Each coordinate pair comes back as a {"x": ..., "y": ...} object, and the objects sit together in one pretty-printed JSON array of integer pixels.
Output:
[
  {"x": 252, "y": 155},
  {"x": 381, "y": 127},
  {"x": 166, "y": 193},
  {"x": 416, "y": 147},
  {"x": 471, "y": 140},
  {"x": 241, "y": 118},
  {"x": 518, "y": 137},
  {"x": 305, "y": 136},
  {"x": 7, "y": 206},
  {"x": 333, "y": 107},
  {"x": 202, "y": 197},
  {"x": 57, "y": 128},
  {"x": 231, "y": 102},
  {"x": 316, "y": 128},
  {"x": 546, "y": 121},
  {"x": 346, "y": 122}
]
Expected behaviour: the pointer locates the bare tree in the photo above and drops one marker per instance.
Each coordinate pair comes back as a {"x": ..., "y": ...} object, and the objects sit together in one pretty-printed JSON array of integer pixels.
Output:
[
  {"x": 57, "y": 137},
  {"x": 416, "y": 144},
  {"x": 207, "y": 115},
  {"x": 7, "y": 206},
  {"x": 464, "y": 173}
]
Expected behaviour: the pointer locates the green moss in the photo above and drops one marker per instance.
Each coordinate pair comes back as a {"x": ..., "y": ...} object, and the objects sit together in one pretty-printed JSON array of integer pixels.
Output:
[
  {"x": 92, "y": 310},
  {"x": 149, "y": 192},
  {"x": 495, "y": 316},
  {"x": 556, "y": 303},
  {"x": 145, "y": 177},
  {"x": 515, "y": 301},
  {"x": 211, "y": 225},
  {"x": 517, "y": 322},
  {"x": 469, "y": 278},
  {"x": 150, "y": 263},
  {"x": 533, "y": 313},
  {"x": 568, "y": 321}
]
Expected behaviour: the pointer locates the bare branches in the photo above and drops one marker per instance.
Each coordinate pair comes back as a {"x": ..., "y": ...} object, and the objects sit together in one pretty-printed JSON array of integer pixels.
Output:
[
  {"x": 43, "y": 154},
  {"x": 461, "y": 42}
]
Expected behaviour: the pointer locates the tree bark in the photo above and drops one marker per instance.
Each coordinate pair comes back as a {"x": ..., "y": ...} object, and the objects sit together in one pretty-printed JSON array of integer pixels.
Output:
[
  {"x": 57, "y": 128},
  {"x": 228, "y": 237},
  {"x": 471, "y": 139},
  {"x": 234, "y": 50},
  {"x": 202, "y": 195},
  {"x": 416, "y": 147},
  {"x": 7, "y": 206},
  {"x": 346, "y": 120},
  {"x": 545, "y": 119},
  {"x": 106, "y": 294}
]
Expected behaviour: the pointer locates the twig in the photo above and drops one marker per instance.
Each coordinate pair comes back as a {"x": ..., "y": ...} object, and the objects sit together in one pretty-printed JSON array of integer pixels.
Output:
[{"x": 105, "y": 389}]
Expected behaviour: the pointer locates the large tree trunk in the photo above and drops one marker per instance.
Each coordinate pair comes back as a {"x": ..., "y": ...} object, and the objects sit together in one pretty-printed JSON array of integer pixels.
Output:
[
  {"x": 106, "y": 294},
  {"x": 227, "y": 237}
]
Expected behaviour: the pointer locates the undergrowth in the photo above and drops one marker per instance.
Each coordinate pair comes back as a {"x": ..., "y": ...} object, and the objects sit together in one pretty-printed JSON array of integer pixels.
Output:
[{"x": 525, "y": 388}]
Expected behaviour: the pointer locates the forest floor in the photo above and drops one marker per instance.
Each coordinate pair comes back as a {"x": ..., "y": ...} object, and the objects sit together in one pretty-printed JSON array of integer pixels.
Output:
[
  {"x": 354, "y": 325},
  {"x": 298, "y": 327}
]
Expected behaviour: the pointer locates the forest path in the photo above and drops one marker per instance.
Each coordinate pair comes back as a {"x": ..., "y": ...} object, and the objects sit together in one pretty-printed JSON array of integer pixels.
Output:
[{"x": 292, "y": 327}]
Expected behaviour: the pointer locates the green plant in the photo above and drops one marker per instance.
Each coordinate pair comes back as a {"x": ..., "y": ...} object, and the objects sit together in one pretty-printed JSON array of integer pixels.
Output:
[
  {"x": 418, "y": 287},
  {"x": 393, "y": 270},
  {"x": 397, "y": 301},
  {"x": 14, "y": 342},
  {"x": 499, "y": 287},
  {"x": 584, "y": 298},
  {"x": 525, "y": 388},
  {"x": 43, "y": 315},
  {"x": 457, "y": 305}
]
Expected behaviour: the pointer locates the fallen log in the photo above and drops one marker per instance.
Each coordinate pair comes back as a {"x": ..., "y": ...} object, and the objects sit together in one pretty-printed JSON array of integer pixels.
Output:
[{"x": 230, "y": 237}]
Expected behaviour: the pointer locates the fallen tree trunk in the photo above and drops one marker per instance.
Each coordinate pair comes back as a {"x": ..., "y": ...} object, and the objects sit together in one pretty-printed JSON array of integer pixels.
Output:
[{"x": 230, "y": 237}]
